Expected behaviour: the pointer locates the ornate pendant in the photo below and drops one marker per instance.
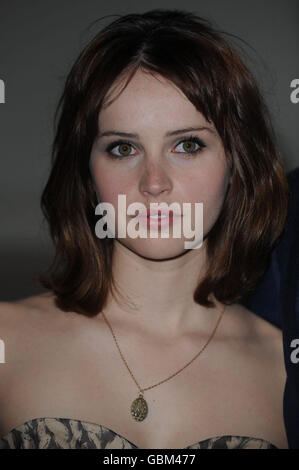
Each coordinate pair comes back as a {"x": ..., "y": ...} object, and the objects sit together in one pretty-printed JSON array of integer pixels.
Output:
[{"x": 139, "y": 408}]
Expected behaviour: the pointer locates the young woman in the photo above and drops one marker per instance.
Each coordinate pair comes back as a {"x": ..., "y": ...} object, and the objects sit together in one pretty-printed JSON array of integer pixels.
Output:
[{"x": 142, "y": 342}]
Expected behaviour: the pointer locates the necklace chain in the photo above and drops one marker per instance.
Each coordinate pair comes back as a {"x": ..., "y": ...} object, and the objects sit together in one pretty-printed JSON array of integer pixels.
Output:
[{"x": 173, "y": 375}]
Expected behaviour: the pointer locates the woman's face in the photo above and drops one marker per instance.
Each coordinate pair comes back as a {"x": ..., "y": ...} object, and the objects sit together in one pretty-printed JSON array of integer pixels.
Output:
[{"x": 154, "y": 164}]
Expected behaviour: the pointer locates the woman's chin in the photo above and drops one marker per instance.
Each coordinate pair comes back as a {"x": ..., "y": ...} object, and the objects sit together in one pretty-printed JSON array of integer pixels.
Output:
[{"x": 155, "y": 249}]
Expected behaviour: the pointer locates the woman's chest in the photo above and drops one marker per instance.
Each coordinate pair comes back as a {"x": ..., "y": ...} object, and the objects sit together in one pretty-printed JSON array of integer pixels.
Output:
[{"x": 217, "y": 394}]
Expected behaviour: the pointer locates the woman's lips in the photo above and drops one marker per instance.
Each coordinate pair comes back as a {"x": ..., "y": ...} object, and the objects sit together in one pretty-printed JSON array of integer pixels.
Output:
[
  {"x": 158, "y": 220},
  {"x": 159, "y": 212}
]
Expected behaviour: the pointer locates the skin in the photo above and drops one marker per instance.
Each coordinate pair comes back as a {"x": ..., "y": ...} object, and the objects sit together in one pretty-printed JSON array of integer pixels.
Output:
[
  {"x": 62, "y": 364},
  {"x": 159, "y": 169}
]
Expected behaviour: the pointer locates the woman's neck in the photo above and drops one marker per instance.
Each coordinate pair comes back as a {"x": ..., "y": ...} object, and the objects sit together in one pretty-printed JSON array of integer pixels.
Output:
[{"x": 161, "y": 291}]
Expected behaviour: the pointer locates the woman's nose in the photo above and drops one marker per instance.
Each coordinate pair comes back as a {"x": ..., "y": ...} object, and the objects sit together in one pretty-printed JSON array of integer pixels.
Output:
[{"x": 155, "y": 180}]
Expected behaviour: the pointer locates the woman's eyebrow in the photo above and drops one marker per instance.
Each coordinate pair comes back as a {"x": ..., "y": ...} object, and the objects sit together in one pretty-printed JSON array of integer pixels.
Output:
[{"x": 168, "y": 134}]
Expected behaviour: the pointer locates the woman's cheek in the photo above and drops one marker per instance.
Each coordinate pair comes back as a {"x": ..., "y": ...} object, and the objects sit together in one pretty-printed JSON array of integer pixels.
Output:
[{"x": 210, "y": 192}]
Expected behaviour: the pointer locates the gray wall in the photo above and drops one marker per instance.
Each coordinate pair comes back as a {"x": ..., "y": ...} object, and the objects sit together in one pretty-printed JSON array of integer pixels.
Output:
[{"x": 39, "y": 41}]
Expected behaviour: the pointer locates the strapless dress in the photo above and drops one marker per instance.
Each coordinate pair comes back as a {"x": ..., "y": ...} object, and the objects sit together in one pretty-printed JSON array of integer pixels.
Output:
[{"x": 66, "y": 433}]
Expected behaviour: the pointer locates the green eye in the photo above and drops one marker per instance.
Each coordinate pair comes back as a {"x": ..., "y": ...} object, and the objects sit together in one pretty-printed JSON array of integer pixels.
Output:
[
  {"x": 191, "y": 145},
  {"x": 125, "y": 149}
]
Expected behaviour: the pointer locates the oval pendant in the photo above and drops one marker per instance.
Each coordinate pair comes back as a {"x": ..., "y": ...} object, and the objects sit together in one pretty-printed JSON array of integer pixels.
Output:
[{"x": 139, "y": 408}]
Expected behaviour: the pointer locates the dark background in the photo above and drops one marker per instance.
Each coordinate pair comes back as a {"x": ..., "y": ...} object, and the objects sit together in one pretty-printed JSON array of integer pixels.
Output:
[{"x": 39, "y": 40}]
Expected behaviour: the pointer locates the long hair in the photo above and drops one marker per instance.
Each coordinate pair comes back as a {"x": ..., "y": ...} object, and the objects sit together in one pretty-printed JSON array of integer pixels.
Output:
[{"x": 185, "y": 49}]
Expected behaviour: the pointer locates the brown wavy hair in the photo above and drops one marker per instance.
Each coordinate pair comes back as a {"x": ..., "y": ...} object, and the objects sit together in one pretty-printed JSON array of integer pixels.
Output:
[{"x": 187, "y": 50}]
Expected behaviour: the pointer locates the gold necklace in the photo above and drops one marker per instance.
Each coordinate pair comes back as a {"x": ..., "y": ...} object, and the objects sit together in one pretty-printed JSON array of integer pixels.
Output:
[{"x": 139, "y": 407}]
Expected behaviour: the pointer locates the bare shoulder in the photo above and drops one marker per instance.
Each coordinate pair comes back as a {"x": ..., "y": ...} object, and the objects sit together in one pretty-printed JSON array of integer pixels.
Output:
[
  {"x": 253, "y": 323},
  {"x": 258, "y": 332},
  {"x": 27, "y": 322},
  {"x": 21, "y": 312},
  {"x": 40, "y": 307}
]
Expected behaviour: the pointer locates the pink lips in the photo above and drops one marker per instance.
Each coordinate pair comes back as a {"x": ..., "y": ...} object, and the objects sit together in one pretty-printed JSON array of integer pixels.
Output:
[
  {"x": 159, "y": 212},
  {"x": 160, "y": 221}
]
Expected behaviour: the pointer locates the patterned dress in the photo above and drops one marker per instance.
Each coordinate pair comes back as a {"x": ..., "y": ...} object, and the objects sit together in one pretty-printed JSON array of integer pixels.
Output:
[{"x": 65, "y": 433}]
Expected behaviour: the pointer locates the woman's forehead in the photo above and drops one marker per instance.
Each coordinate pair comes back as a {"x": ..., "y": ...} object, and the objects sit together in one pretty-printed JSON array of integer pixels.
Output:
[
  {"x": 142, "y": 83},
  {"x": 149, "y": 97}
]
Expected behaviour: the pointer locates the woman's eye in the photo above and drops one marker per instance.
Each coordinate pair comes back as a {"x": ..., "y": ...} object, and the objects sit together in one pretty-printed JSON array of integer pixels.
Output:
[
  {"x": 124, "y": 149},
  {"x": 191, "y": 146}
]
